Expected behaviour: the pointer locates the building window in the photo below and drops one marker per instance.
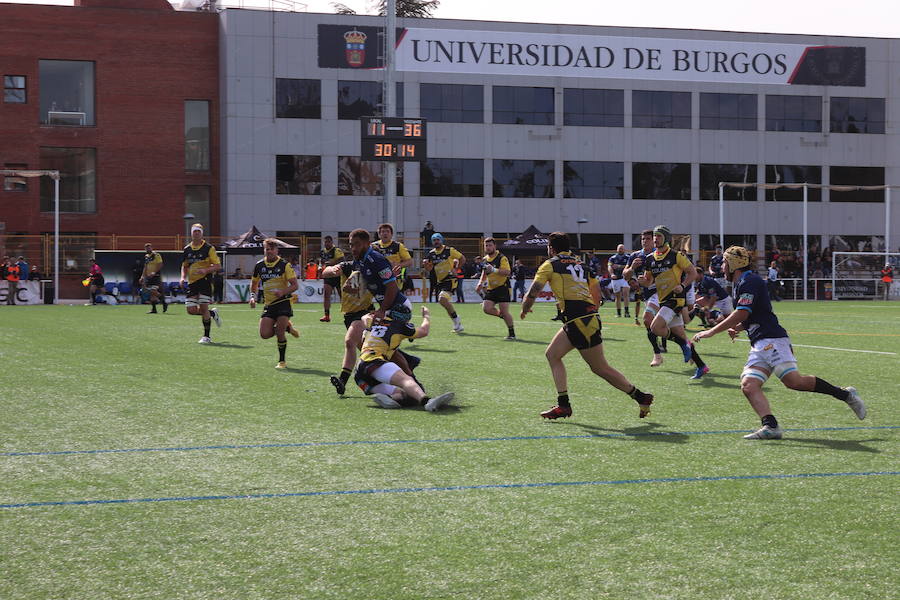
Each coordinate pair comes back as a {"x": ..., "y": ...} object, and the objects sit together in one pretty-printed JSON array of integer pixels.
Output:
[
  {"x": 523, "y": 178},
  {"x": 298, "y": 98},
  {"x": 596, "y": 108},
  {"x": 14, "y": 89},
  {"x": 451, "y": 102},
  {"x": 857, "y": 176},
  {"x": 728, "y": 111},
  {"x": 666, "y": 110},
  {"x": 463, "y": 177},
  {"x": 793, "y": 174},
  {"x": 523, "y": 105},
  {"x": 77, "y": 179},
  {"x": 196, "y": 135},
  {"x": 661, "y": 181},
  {"x": 793, "y": 113},
  {"x": 711, "y": 175},
  {"x": 15, "y": 183},
  {"x": 364, "y": 177},
  {"x": 196, "y": 202},
  {"x": 857, "y": 115},
  {"x": 364, "y": 99},
  {"x": 589, "y": 179},
  {"x": 67, "y": 92},
  {"x": 298, "y": 174}
]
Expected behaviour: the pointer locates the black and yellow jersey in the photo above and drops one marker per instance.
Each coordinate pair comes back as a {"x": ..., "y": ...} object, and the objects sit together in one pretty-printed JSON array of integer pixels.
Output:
[
  {"x": 274, "y": 276},
  {"x": 383, "y": 338},
  {"x": 394, "y": 251},
  {"x": 443, "y": 262},
  {"x": 495, "y": 280},
  {"x": 153, "y": 263},
  {"x": 351, "y": 303},
  {"x": 571, "y": 282},
  {"x": 199, "y": 257},
  {"x": 667, "y": 269},
  {"x": 330, "y": 257}
]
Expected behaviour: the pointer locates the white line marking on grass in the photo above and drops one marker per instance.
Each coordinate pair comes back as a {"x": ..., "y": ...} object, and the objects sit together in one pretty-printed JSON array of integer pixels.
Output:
[{"x": 840, "y": 349}]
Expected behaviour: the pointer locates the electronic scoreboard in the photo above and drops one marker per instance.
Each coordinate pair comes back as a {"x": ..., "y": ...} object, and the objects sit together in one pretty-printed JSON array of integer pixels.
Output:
[{"x": 393, "y": 139}]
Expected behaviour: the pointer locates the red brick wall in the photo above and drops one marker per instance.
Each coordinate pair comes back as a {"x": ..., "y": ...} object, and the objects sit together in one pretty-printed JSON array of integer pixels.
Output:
[{"x": 147, "y": 63}]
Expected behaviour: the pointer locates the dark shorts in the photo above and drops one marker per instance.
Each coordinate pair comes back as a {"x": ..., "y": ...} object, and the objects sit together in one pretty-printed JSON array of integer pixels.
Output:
[
  {"x": 639, "y": 294},
  {"x": 201, "y": 287},
  {"x": 498, "y": 294},
  {"x": 447, "y": 285},
  {"x": 349, "y": 318},
  {"x": 98, "y": 280},
  {"x": 584, "y": 332},
  {"x": 154, "y": 281},
  {"x": 334, "y": 282},
  {"x": 363, "y": 378},
  {"x": 676, "y": 303},
  {"x": 279, "y": 309}
]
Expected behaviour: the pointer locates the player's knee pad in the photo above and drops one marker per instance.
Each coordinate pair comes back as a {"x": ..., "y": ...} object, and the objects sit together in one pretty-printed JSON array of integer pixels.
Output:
[
  {"x": 749, "y": 373},
  {"x": 445, "y": 295},
  {"x": 783, "y": 369}
]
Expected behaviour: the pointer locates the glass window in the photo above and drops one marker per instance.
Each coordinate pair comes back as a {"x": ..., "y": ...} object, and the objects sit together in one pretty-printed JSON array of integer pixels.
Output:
[
  {"x": 196, "y": 135},
  {"x": 14, "y": 89},
  {"x": 598, "y": 108},
  {"x": 297, "y": 174},
  {"x": 364, "y": 99},
  {"x": 77, "y": 179},
  {"x": 451, "y": 102},
  {"x": 589, "y": 179},
  {"x": 523, "y": 178},
  {"x": 298, "y": 98},
  {"x": 793, "y": 174},
  {"x": 523, "y": 105},
  {"x": 793, "y": 113},
  {"x": 857, "y": 176},
  {"x": 13, "y": 183},
  {"x": 728, "y": 111},
  {"x": 667, "y": 110},
  {"x": 67, "y": 92},
  {"x": 462, "y": 177},
  {"x": 364, "y": 177},
  {"x": 196, "y": 202},
  {"x": 857, "y": 115},
  {"x": 711, "y": 175},
  {"x": 661, "y": 181}
]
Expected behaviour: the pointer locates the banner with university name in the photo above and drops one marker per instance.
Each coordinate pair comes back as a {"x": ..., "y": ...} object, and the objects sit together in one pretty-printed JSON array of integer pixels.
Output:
[{"x": 623, "y": 57}]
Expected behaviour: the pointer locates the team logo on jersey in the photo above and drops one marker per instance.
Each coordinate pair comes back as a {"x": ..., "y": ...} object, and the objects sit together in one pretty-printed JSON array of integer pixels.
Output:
[
  {"x": 768, "y": 347},
  {"x": 355, "y": 51},
  {"x": 745, "y": 300}
]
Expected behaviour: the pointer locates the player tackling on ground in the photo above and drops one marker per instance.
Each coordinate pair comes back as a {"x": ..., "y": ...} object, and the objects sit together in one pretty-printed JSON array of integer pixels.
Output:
[
  {"x": 199, "y": 261},
  {"x": 278, "y": 283},
  {"x": 578, "y": 296},
  {"x": 770, "y": 347}
]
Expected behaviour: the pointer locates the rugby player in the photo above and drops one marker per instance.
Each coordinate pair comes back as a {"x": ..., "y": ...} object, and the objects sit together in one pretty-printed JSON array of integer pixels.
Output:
[
  {"x": 279, "y": 282},
  {"x": 672, "y": 271},
  {"x": 199, "y": 261},
  {"x": 619, "y": 285},
  {"x": 328, "y": 256},
  {"x": 494, "y": 282},
  {"x": 356, "y": 302},
  {"x": 444, "y": 261},
  {"x": 713, "y": 299},
  {"x": 716, "y": 270},
  {"x": 151, "y": 279},
  {"x": 637, "y": 264},
  {"x": 395, "y": 252},
  {"x": 770, "y": 347},
  {"x": 578, "y": 294}
]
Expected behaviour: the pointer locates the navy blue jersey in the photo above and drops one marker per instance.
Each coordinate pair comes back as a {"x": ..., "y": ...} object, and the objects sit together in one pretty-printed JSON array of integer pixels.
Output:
[
  {"x": 751, "y": 294},
  {"x": 715, "y": 265},
  {"x": 640, "y": 270},
  {"x": 617, "y": 263},
  {"x": 709, "y": 287},
  {"x": 376, "y": 272}
]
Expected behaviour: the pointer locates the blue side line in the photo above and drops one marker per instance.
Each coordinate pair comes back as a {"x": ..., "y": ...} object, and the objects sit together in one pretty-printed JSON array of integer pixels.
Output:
[
  {"x": 427, "y": 441},
  {"x": 451, "y": 488}
]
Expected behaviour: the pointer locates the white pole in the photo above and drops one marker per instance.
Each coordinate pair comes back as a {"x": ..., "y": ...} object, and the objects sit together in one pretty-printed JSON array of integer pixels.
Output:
[
  {"x": 833, "y": 278},
  {"x": 390, "y": 110},
  {"x": 722, "y": 214},
  {"x": 56, "y": 239},
  {"x": 887, "y": 224},
  {"x": 803, "y": 258}
]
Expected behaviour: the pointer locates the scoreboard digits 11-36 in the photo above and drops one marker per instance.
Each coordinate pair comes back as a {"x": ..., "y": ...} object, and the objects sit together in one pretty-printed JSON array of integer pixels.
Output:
[{"x": 393, "y": 139}]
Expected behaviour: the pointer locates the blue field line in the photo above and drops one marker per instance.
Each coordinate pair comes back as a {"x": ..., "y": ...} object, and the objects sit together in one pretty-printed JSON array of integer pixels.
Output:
[
  {"x": 428, "y": 441},
  {"x": 452, "y": 488}
]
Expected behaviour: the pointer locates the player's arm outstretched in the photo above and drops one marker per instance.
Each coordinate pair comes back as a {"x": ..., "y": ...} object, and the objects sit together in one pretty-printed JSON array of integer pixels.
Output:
[
  {"x": 423, "y": 329},
  {"x": 533, "y": 293},
  {"x": 733, "y": 324}
]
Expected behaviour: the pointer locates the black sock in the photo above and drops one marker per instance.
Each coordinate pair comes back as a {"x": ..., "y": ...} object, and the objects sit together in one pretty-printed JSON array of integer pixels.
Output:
[
  {"x": 345, "y": 375},
  {"x": 206, "y": 324},
  {"x": 640, "y": 396},
  {"x": 282, "y": 348},
  {"x": 562, "y": 399},
  {"x": 327, "y": 312},
  {"x": 663, "y": 342},
  {"x": 823, "y": 387},
  {"x": 162, "y": 300},
  {"x": 677, "y": 340},
  {"x": 618, "y": 312},
  {"x": 696, "y": 358},
  {"x": 512, "y": 331},
  {"x": 652, "y": 337},
  {"x": 771, "y": 421},
  {"x": 453, "y": 314},
  {"x": 153, "y": 307}
]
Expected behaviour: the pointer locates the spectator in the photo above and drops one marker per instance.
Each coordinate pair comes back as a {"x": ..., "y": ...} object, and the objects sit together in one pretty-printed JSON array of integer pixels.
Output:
[
  {"x": 137, "y": 271},
  {"x": 427, "y": 232},
  {"x": 23, "y": 268},
  {"x": 460, "y": 276},
  {"x": 218, "y": 285},
  {"x": 312, "y": 270},
  {"x": 520, "y": 274},
  {"x": 772, "y": 278},
  {"x": 826, "y": 261},
  {"x": 887, "y": 278},
  {"x": 432, "y": 286},
  {"x": 238, "y": 273},
  {"x": 12, "y": 280},
  {"x": 34, "y": 274}
]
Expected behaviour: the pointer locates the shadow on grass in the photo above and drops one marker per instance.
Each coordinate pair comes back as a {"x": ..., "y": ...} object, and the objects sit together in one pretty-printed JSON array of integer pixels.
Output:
[
  {"x": 416, "y": 349},
  {"x": 845, "y": 445},
  {"x": 709, "y": 380},
  {"x": 644, "y": 433},
  {"x": 227, "y": 345},
  {"x": 307, "y": 371}
]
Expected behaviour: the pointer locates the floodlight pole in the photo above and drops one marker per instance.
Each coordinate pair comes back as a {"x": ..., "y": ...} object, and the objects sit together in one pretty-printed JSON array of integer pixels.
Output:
[
  {"x": 390, "y": 110},
  {"x": 722, "y": 214},
  {"x": 805, "y": 253},
  {"x": 887, "y": 224},
  {"x": 56, "y": 238}
]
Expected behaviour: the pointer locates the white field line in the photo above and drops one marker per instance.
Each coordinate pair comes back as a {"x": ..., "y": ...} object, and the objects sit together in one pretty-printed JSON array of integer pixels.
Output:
[{"x": 839, "y": 349}]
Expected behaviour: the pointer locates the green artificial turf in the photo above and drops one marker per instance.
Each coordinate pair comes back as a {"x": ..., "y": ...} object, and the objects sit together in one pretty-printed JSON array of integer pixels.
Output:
[{"x": 247, "y": 482}]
